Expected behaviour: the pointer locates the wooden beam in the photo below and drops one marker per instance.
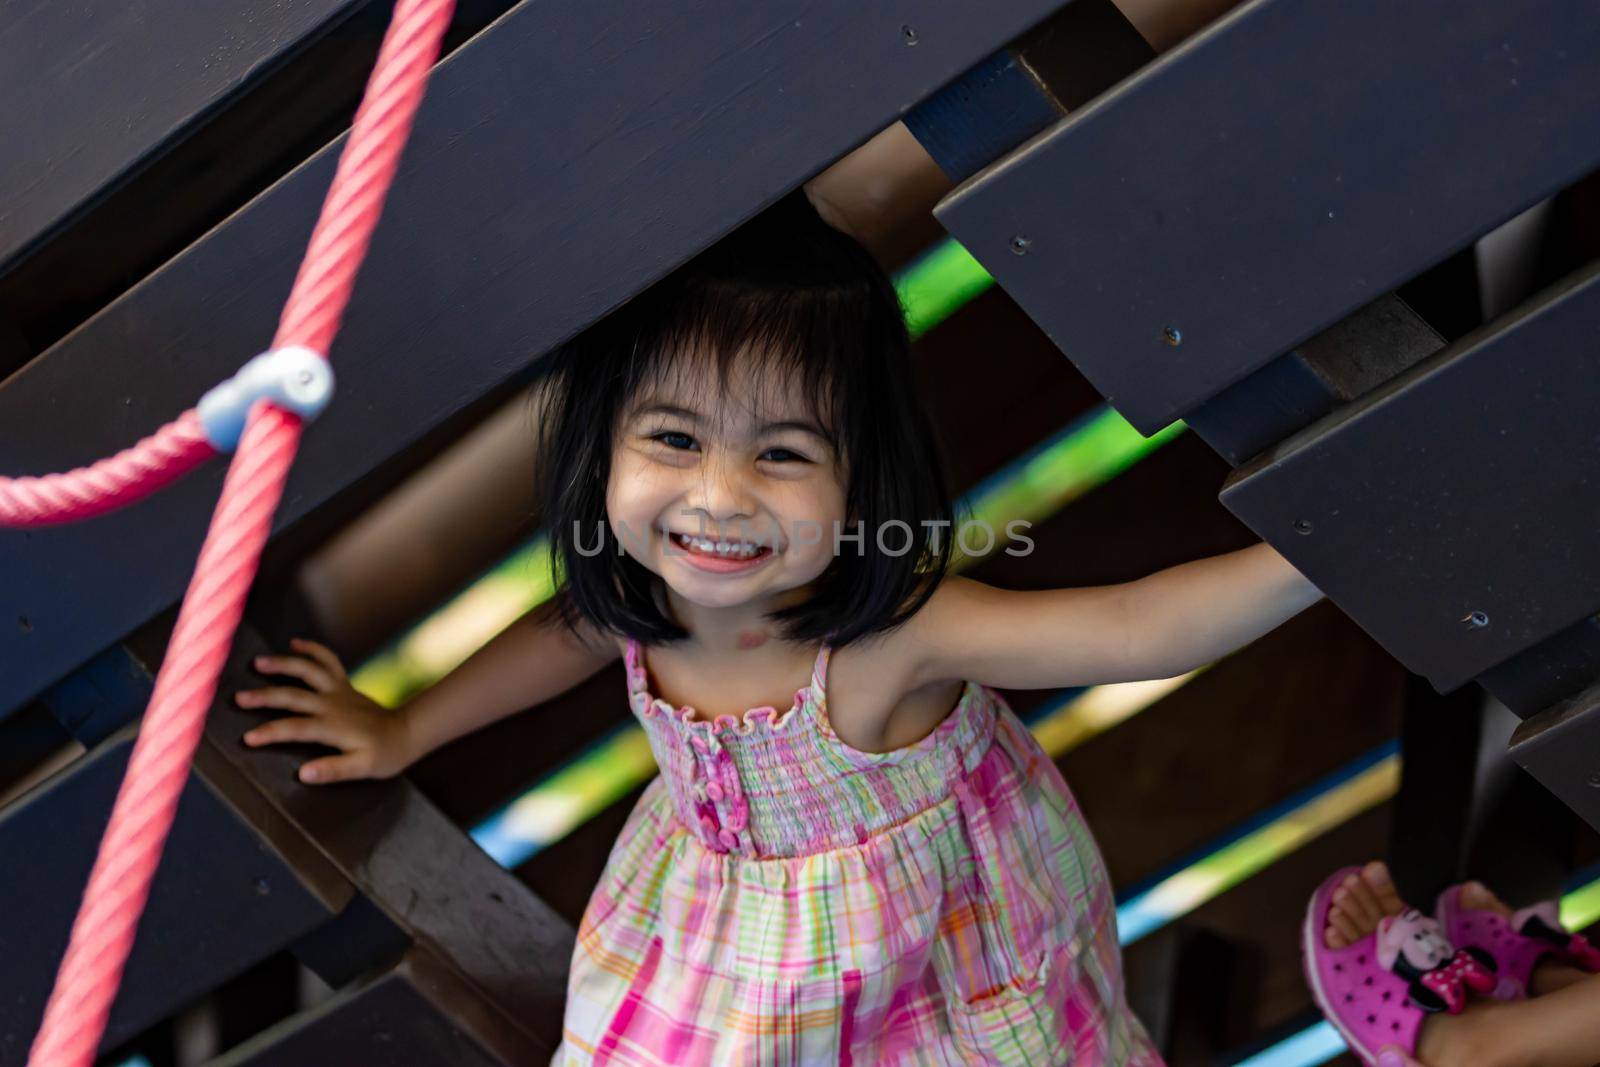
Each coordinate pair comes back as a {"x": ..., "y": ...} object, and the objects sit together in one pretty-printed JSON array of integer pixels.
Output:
[
  {"x": 563, "y": 159},
  {"x": 415, "y": 1012},
  {"x": 93, "y": 92},
  {"x": 1561, "y": 748},
  {"x": 1554, "y": 668},
  {"x": 1343, "y": 362},
  {"x": 1057, "y": 67},
  {"x": 1451, "y": 511},
  {"x": 422, "y": 873},
  {"x": 241, "y": 883},
  {"x": 1286, "y": 166}
]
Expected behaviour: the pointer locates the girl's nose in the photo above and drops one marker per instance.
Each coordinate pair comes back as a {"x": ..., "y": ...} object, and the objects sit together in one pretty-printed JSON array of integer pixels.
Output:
[{"x": 721, "y": 491}]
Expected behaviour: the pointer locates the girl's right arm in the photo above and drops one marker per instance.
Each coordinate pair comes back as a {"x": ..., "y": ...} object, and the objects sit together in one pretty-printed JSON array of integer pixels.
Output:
[{"x": 531, "y": 661}]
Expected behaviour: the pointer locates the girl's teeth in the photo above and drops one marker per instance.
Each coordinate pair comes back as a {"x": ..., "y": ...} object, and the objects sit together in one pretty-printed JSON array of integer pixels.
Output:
[{"x": 721, "y": 548}]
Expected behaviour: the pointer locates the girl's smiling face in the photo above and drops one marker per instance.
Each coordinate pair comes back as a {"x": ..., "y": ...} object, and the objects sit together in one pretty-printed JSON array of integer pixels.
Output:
[{"x": 750, "y": 467}]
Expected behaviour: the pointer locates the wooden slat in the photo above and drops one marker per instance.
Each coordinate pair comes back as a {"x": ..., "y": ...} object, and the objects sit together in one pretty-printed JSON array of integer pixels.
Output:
[
  {"x": 415, "y": 1013},
  {"x": 1554, "y": 668},
  {"x": 1465, "y": 485},
  {"x": 89, "y": 92},
  {"x": 563, "y": 159},
  {"x": 1202, "y": 196},
  {"x": 1343, "y": 362},
  {"x": 1082, "y": 50},
  {"x": 1560, "y": 746},
  {"x": 240, "y": 885},
  {"x": 422, "y": 873}
]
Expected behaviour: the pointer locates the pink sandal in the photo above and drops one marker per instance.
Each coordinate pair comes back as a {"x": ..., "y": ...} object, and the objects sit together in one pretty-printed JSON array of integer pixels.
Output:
[
  {"x": 1516, "y": 944},
  {"x": 1377, "y": 991}
]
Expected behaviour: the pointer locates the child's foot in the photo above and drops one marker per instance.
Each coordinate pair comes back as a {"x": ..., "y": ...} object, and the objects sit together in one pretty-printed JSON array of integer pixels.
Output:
[
  {"x": 1549, "y": 974},
  {"x": 1363, "y": 898},
  {"x": 1361, "y": 901}
]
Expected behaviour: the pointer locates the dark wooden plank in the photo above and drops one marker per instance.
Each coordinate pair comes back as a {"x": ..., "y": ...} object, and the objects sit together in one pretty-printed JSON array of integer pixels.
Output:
[
  {"x": 420, "y": 872},
  {"x": 1559, "y": 747},
  {"x": 415, "y": 1013},
  {"x": 1343, "y": 362},
  {"x": 238, "y": 885},
  {"x": 563, "y": 159},
  {"x": 101, "y": 697},
  {"x": 92, "y": 91},
  {"x": 982, "y": 115},
  {"x": 1201, "y": 196},
  {"x": 286, "y": 110},
  {"x": 1082, "y": 50},
  {"x": 1540, "y": 676},
  {"x": 1465, "y": 485},
  {"x": 1522, "y": 839}
]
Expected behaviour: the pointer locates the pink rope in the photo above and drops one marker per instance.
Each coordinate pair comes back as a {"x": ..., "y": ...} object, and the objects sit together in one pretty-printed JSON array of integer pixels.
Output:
[
  {"x": 130, "y": 475},
  {"x": 91, "y": 970},
  {"x": 312, "y": 314}
]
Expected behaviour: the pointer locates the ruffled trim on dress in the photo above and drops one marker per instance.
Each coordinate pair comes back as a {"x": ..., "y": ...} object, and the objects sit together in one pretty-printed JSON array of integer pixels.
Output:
[{"x": 766, "y": 715}]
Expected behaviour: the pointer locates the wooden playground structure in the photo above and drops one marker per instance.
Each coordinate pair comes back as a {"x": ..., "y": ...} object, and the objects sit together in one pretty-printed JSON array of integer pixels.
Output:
[{"x": 1354, "y": 247}]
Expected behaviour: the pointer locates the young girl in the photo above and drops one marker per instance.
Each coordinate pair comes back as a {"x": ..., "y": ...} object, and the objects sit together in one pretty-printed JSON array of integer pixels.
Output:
[{"x": 854, "y": 852}]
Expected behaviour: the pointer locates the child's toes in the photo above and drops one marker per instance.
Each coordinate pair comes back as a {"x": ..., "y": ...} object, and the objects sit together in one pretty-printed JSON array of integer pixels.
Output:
[
  {"x": 1476, "y": 896},
  {"x": 1342, "y": 929},
  {"x": 1359, "y": 902},
  {"x": 1375, "y": 876}
]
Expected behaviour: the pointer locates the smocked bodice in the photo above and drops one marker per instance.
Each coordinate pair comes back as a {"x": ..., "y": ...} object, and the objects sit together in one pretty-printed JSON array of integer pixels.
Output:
[{"x": 736, "y": 781}]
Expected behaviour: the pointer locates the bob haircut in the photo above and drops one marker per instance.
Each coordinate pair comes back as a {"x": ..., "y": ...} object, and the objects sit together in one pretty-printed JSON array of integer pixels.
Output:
[{"x": 789, "y": 295}]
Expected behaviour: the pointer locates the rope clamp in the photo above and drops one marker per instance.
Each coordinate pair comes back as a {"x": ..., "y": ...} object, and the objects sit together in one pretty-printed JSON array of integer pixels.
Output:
[{"x": 294, "y": 378}]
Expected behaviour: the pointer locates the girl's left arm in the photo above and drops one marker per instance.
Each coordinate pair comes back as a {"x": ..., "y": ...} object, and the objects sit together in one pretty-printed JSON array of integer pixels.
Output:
[{"x": 1159, "y": 626}]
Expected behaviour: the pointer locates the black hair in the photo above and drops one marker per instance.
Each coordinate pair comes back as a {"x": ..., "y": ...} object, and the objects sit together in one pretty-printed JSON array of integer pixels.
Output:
[{"x": 801, "y": 299}]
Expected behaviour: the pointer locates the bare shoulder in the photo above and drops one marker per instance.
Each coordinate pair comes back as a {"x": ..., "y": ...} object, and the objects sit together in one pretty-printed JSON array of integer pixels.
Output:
[
  {"x": 933, "y": 638},
  {"x": 887, "y": 691}
]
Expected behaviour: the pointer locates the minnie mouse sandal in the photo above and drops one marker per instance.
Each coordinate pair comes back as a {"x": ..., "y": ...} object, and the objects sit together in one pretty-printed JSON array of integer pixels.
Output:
[
  {"x": 1378, "y": 991},
  {"x": 1518, "y": 943}
]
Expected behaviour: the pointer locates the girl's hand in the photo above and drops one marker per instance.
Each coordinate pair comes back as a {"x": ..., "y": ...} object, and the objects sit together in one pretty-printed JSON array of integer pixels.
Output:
[{"x": 374, "y": 740}]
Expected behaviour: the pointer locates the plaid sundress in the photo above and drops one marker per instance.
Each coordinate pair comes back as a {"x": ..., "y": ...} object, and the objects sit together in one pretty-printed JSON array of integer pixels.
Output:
[{"x": 778, "y": 898}]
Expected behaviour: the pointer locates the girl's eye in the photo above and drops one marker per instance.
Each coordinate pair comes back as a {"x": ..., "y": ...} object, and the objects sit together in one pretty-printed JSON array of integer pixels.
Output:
[{"x": 674, "y": 439}]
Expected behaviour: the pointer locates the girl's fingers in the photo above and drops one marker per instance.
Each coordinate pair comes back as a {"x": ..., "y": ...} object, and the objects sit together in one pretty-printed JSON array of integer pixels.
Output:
[
  {"x": 278, "y": 731},
  {"x": 322, "y": 654},
  {"x": 287, "y": 697},
  {"x": 334, "y": 768},
  {"x": 308, "y": 671}
]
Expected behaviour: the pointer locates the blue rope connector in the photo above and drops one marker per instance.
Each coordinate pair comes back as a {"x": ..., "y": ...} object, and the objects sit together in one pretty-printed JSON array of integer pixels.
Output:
[{"x": 294, "y": 378}]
